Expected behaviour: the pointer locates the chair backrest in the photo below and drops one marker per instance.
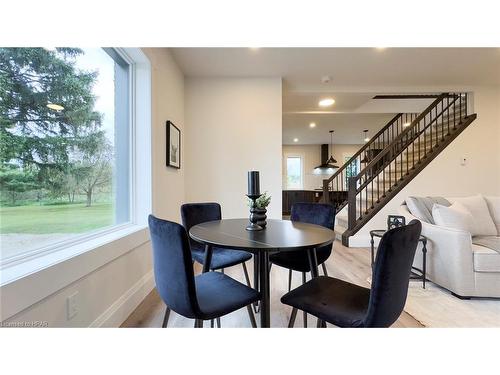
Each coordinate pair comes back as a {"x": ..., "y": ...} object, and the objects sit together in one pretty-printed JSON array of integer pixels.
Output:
[
  {"x": 315, "y": 213},
  {"x": 173, "y": 267},
  {"x": 196, "y": 213},
  {"x": 391, "y": 274}
]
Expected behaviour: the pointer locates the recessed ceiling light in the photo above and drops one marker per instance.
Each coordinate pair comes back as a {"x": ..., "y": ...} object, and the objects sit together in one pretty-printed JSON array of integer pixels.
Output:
[
  {"x": 406, "y": 124},
  {"x": 327, "y": 102},
  {"x": 312, "y": 125},
  {"x": 380, "y": 48},
  {"x": 255, "y": 49},
  {"x": 55, "y": 107},
  {"x": 295, "y": 140}
]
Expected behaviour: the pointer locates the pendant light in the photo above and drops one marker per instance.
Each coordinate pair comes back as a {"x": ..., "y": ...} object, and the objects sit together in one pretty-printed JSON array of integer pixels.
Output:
[
  {"x": 329, "y": 163},
  {"x": 365, "y": 139}
]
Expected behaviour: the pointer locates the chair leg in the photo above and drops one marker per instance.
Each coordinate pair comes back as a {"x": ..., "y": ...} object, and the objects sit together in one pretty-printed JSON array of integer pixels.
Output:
[
  {"x": 290, "y": 279},
  {"x": 325, "y": 272},
  {"x": 252, "y": 317},
  {"x": 304, "y": 314},
  {"x": 245, "y": 271},
  {"x": 293, "y": 315},
  {"x": 218, "y": 322},
  {"x": 165, "y": 318},
  {"x": 198, "y": 323},
  {"x": 212, "y": 323}
]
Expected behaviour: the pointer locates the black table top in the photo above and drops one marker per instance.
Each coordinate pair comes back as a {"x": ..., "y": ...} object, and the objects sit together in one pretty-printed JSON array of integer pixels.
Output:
[{"x": 278, "y": 235}]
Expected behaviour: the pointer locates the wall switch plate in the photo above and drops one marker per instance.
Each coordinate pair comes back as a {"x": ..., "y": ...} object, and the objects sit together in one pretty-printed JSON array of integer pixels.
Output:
[{"x": 72, "y": 305}]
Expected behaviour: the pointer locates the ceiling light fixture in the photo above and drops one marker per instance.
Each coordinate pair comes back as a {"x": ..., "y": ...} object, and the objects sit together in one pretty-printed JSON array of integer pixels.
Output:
[
  {"x": 366, "y": 137},
  {"x": 312, "y": 125},
  {"x": 55, "y": 107},
  {"x": 295, "y": 140},
  {"x": 406, "y": 124},
  {"x": 326, "y": 79},
  {"x": 327, "y": 102},
  {"x": 328, "y": 164}
]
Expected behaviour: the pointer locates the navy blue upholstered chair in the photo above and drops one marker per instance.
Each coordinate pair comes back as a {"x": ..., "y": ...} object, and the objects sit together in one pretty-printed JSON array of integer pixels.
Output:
[
  {"x": 312, "y": 213},
  {"x": 197, "y": 213},
  {"x": 348, "y": 305},
  {"x": 203, "y": 297}
]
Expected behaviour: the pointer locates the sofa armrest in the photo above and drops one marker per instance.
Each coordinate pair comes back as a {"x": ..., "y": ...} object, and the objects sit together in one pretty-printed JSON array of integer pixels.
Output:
[{"x": 449, "y": 257}]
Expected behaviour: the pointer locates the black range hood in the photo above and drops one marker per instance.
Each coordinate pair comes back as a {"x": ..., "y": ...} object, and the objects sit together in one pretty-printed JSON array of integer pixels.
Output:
[{"x": 326, "y": 162}]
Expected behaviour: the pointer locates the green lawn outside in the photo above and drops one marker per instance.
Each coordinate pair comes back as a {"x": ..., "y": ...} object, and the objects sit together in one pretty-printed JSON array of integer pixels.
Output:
[{"x": 63, "y": 218}]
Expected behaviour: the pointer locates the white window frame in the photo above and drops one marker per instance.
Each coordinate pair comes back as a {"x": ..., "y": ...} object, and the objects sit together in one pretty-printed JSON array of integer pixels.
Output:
[
  {"x": 16, "y": 267},
  {"x": 302, "y": 161}
]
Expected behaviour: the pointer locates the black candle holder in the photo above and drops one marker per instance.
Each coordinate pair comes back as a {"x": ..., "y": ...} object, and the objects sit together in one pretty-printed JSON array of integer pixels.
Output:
[{"x": 253, "y": 226}]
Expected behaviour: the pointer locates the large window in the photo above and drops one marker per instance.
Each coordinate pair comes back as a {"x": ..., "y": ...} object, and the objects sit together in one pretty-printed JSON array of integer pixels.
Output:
[
  {"x": 294, "y": 172},
  {"x": 65, "y": 136}
]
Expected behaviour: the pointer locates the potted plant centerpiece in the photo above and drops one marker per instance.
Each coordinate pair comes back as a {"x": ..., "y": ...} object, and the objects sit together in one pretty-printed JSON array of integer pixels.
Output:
[{"x": 261, "y": 204}]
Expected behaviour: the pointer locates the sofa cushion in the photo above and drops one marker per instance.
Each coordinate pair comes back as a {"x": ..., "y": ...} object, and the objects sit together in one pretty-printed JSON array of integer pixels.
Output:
[
  {"x": 491, "y": 242},
  {"x": 456, "y": 216},
  {"x": 485, "y": 260},
  {"x": 483, "y": 222},
  {"x": 493, "y": 204},
  {"x": 421, "y": 207}
]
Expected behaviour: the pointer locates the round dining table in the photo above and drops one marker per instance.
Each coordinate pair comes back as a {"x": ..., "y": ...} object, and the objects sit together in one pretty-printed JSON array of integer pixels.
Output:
[{"x": 278, "y": 235}]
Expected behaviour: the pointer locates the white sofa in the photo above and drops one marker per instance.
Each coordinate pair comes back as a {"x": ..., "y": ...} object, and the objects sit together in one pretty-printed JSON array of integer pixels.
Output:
[{"x": 454, "y": 262}]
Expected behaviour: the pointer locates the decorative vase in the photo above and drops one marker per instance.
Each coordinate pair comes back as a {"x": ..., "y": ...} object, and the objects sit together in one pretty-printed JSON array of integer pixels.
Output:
[
  {"x": 261, "y": 217},
  {"x": 253, "y": 226}
]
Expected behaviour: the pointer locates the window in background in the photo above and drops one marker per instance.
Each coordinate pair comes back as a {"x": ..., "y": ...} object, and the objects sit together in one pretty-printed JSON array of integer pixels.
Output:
[
  {"x": 294, "y": 172},
  {"x": 64, "y": 144},
  {"x": 351, "y": 170}
]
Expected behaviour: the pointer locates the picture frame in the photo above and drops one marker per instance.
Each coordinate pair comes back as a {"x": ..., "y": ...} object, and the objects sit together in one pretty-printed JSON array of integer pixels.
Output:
[
  {"x": 395, "y": 221},
  {"x": 173, "y": 149}
]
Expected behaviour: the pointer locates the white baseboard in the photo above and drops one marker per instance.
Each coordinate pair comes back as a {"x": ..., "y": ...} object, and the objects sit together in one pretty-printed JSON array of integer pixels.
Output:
[
  {"x": 119, "y": 311},
  {"x": 362, "y": 241}
]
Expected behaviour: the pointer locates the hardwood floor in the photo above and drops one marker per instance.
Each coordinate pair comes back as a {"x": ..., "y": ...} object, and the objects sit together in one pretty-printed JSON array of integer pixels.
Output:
[{"x": 351, "y": 264}]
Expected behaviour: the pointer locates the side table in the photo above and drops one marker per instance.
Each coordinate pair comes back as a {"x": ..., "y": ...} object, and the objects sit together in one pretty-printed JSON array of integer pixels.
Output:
[{"x": 414, "y": 276}]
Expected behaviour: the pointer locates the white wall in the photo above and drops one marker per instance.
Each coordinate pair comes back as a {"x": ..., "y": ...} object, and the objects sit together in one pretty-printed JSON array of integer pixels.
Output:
[
  {"x": 167, "y": 88},
  {"x": 311, "y": 155},
  {"x": 233, "y": 126},
  {"x": 110, "y": 292},
  {"x": 444, "y": 176}
]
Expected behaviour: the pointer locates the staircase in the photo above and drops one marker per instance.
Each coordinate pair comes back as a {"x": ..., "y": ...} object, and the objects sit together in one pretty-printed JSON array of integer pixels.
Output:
[{"x": 391, "y": 159}]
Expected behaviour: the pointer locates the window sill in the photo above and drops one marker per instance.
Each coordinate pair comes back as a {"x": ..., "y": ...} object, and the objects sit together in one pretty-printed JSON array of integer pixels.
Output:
[{"x": 54, "y": 271}]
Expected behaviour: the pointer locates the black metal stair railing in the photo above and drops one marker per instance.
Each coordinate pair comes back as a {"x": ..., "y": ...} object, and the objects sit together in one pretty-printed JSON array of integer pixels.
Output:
[
  {"x": 401, "y": 158},
  {"x": 335, "y": 188}
]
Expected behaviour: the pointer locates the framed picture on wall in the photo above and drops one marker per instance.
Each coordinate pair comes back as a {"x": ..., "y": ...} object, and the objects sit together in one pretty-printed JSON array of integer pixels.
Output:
[{"x": 173, "y": 146}]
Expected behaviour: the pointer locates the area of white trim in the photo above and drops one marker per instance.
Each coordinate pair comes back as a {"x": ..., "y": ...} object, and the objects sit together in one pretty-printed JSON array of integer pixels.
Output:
[
  {"x": 362, "y": 241},
  {"x": 118, "y": 312},
  {"x": 26, "y": 284}
]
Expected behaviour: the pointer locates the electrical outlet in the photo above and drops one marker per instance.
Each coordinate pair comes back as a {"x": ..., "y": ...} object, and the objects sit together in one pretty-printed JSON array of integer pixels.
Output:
[
  {"x": 463, "y": 161},
  {"x": 72, "y": 305}
]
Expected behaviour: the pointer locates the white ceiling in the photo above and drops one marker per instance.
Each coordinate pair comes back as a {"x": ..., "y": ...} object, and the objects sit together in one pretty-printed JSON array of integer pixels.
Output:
[
  {"x": 357, "y": 74},
  {"x": 348, "y": 127},
  {"x": 302, "y": 68}
]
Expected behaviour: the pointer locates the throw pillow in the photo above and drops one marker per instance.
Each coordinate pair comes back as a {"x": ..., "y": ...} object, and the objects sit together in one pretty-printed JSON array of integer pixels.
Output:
[
  {"x": 421, "y": 207},
  {"x": 483, "y": 222},
  {"x": 456, "y": 216}
]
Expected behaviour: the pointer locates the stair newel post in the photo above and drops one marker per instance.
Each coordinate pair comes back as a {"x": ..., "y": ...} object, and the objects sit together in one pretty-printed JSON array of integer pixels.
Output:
[{"x": 351, "y": 203}]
